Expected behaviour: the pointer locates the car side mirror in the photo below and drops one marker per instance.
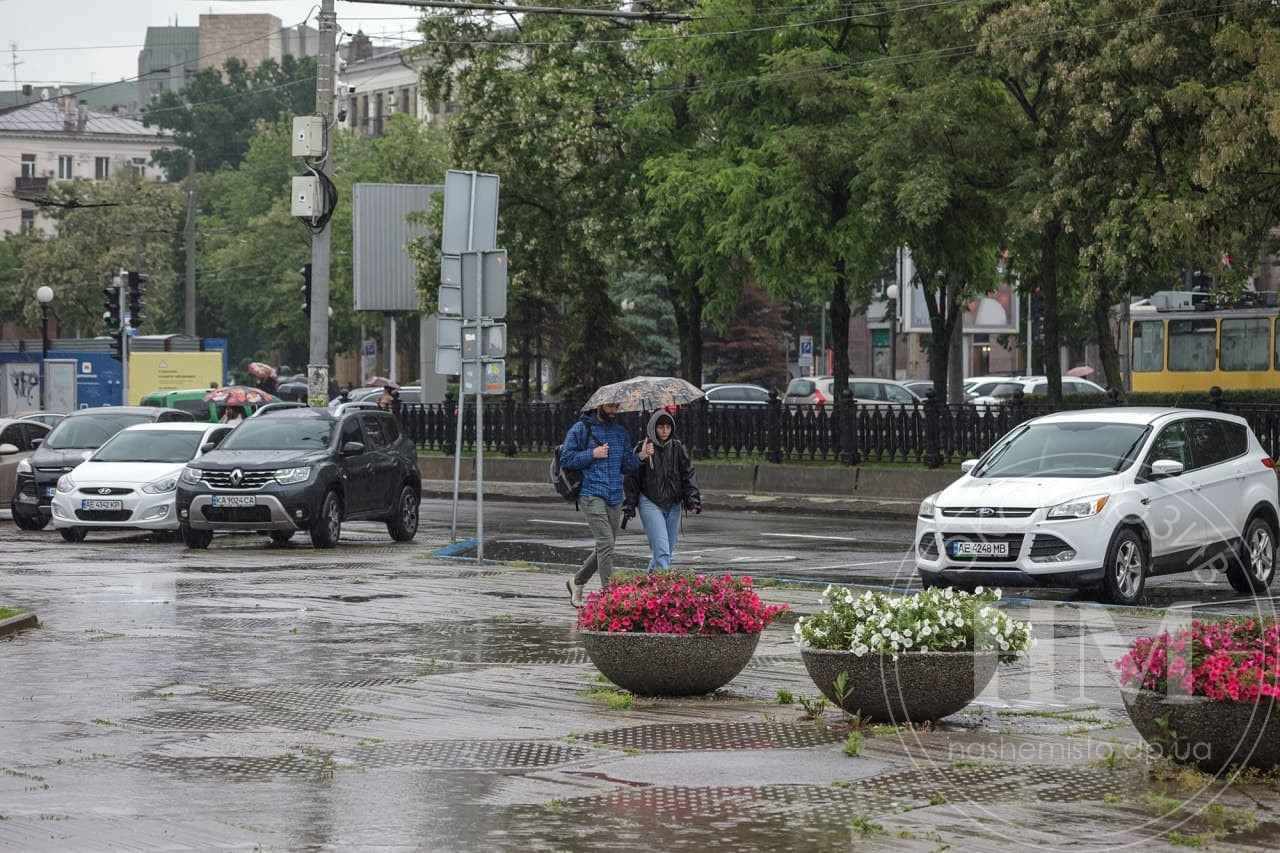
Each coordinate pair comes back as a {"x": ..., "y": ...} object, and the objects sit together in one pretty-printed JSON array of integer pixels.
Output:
[
  {"x": 352, "y": 448},
  {"x": 1162, "y": 468},
  {"x": 36, "y": 442},
  {"x": 968, "y": 465},
  {"x": 207, "y": 446},
  {"x": 6, "y": 449}
]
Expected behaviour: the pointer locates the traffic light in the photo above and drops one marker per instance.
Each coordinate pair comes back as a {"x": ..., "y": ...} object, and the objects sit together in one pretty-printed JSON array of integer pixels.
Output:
[
  {"x": 305, "y": 272},
  {"x": 117, "y": 344},
  {"x": 136, "y": 289},
  {"x": 111, "y": 305}
]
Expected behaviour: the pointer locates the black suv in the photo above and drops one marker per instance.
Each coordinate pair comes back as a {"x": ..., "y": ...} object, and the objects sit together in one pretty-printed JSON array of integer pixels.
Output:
[
  {"x": 71, "y": 442},
  {"x": 303, "y": 469}
]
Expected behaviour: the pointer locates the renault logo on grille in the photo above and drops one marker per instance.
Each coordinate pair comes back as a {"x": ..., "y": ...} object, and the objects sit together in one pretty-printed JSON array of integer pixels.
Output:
[
  {"x": 236, "y": 477},
  {"x": 986, "y": 512},
  {"x": 104, "y": 491}
]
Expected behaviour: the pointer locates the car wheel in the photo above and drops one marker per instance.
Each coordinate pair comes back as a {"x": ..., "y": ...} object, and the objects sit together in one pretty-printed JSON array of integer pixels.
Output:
[
  {"x": 280, "y": 537},
  {"x": 328, "y": 524},
  {"x": 1125, "y": 571},
  {"x": 73, "y": 534},
  {"x": 403, "y": 524},
  {"x": 1253, "y": 568},
  {"x": 199, "y": 539},
  {"x": 35, "y": 522}
]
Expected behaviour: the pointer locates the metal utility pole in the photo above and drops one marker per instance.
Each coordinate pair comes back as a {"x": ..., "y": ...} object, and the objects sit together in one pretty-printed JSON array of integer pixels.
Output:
[
  {"x": 318, "y": 357},
  {"x": 189, "y": 232}
]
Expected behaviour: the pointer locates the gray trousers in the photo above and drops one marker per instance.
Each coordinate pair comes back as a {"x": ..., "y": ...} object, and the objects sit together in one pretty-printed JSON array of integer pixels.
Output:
[{"x": 603, "y": 520}]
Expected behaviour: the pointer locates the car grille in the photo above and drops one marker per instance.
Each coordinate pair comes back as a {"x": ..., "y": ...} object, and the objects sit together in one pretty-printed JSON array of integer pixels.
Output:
[
  {"x": 988, "y": 512},
  {"x": 928, "y": 546},
  {"x": 103, "y": 514},
  {"x": 57, "y": 470},
  {"x": 251, "y": 479},
  {"x": 1014, "y": 540},
  {"x": 235, "y": 514},
  {"x": 1045, "y": 545},
  {"x": 103, "y": 491}
]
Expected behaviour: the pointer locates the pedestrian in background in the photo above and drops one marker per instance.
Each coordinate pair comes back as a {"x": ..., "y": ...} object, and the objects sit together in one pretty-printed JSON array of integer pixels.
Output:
[
  {"x": 662, "y": 489},
  {"x": 599, "y": 447}
]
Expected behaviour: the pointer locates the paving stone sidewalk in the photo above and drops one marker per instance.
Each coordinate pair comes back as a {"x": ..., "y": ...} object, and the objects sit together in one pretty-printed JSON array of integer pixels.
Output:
[{"x": 375, "y": 696}]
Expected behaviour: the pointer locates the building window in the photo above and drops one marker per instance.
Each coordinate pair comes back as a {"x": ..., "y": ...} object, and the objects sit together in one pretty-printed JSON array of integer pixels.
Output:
[
  {"x": 28, "y": 218},
  {"x": 353, "y": 113},
  {"x": 404, "y": 101},
  {"x": 28, "y": 165},
  {"x": 138, "y": 166},
  {"x": 101, "y": 168},
  {"x": 66, "y": 167}
]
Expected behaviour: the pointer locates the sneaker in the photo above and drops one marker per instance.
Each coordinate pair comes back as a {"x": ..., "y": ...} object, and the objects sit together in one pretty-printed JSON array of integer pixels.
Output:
[{"x": 575, "y": 592}]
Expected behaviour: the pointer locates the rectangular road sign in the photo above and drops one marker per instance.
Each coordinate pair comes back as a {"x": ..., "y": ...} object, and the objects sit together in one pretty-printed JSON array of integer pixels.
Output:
[
  {"x": 449, "y": 346},
  {"x": 488, "y": 377},
  {"x": 492, "y": 267},
  {"x": 470, "y": 212},
  {"x": 493, "y": 338}
]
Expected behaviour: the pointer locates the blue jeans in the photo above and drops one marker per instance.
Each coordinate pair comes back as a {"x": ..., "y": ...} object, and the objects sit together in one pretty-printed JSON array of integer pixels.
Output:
[{"x": 661, "y": 529}]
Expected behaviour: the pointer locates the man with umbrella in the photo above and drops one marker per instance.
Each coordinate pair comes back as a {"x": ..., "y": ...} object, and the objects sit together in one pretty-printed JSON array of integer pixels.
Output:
[{"x": 600, "y": 447}]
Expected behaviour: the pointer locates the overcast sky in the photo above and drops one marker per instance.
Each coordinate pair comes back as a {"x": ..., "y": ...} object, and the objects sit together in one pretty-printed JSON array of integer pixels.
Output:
[{"x": 92, "y": 41}]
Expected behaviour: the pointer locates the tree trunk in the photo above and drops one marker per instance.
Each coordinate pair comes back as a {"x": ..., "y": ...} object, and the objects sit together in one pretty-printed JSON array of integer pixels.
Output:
[
  {"x": 1052, "y": 329},
  {"x": 1107, "y": 343}
]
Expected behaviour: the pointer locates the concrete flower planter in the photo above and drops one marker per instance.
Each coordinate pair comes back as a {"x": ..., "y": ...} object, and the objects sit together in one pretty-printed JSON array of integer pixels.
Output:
[
  {"x": 13, "y": 624},
  {"x": 917, "y": 687},
  {"x": 1205, "y": 732},
  {"x": 669, "y": 664}
]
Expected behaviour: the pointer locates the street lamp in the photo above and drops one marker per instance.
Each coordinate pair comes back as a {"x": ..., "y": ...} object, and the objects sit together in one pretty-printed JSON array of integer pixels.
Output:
[
  {"x": 44, "y": 295},
  {"x": 891, "y": 293}
]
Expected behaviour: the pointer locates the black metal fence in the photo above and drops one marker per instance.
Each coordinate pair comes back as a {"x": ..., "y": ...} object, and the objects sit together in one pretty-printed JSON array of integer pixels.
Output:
[{"x": 931, "y": 433}]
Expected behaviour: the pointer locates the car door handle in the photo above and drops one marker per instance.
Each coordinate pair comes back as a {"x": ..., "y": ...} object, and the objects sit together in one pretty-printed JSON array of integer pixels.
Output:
[{"x": 1146, "y": 501}]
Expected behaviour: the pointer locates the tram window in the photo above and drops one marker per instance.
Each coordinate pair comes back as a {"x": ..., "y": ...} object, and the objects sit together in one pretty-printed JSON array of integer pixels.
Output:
[
  {"x": 1245, "y": 343},
  {"x": 1192, "y": 344},
  {"x": 1148, "y": 346}
]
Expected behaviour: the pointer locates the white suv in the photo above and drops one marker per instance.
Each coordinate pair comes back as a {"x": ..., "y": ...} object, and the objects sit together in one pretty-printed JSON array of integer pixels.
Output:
[{"x": 1107, "y": 498}]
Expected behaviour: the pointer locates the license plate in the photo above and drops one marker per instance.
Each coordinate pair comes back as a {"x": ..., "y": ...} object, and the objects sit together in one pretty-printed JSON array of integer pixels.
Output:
[
  {"x": 234, "y": 500},
  {"x": 979, "y": 549},
  {"x": 96, "y": 504},
  {"x": 48, "y": 491}
]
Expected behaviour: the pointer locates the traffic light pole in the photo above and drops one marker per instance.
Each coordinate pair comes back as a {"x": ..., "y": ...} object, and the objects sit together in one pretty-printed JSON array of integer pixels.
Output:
[
  {"x": 124, "y": 349},
  {"x": 318, "y": 356}
]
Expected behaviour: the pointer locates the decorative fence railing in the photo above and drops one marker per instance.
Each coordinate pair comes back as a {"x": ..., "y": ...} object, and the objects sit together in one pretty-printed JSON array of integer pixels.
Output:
[{"x": 931, "y": 433}]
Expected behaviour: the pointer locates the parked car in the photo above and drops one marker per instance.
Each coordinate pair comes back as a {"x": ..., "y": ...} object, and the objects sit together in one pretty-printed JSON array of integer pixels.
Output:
[
  {"x": 68, "y": 444},
  {"x": 131, "y": 480},
  {"x": 19, "y": 438},
  {"x": 191, "y": 400},
  {"x": 303, "y": 469},
  {"x": 818, "y": 392},
  {"x": 919, "y": 387},
  {"x": 735, "y": 394},
  {"x": 1107, "y": 498},
  {"x": 408, "y": 394},
  {"x": 49, "y": 419},
  {"x": 1030, "y": 385}
]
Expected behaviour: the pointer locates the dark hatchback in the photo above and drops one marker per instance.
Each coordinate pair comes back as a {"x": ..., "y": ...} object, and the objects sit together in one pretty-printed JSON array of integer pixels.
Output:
[
  {"x": 71, "y": 442},
  {"x": 303, "y": 469}
]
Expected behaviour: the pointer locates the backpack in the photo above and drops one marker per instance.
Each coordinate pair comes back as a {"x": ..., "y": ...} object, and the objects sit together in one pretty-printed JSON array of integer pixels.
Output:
[{"x": 568, "y": 483}]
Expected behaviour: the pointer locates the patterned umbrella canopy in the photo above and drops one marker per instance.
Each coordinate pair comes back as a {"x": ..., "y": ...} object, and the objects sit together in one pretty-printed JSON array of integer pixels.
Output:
[
  {"x": 240, "y": 395},
  {"x": 380, "y": 382},
  {"x": 262, "y": 371},
  {"x": 645, "y": 394}
]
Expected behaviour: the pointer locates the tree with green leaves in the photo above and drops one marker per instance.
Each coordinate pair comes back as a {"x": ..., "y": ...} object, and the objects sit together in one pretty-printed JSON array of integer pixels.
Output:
[
  {"x": 753, "y": 347},
  {"x": 647, "y": 321}
]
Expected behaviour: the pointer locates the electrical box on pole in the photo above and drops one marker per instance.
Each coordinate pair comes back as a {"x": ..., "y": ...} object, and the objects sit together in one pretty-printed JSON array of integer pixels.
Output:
[
  {"x": 306, "y": 197},
  {"x": 308, "y": 136}
]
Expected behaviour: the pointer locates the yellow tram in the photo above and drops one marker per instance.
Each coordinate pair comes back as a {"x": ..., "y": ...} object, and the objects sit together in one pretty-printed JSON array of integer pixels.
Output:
[{"x": 1181, "y": 345}]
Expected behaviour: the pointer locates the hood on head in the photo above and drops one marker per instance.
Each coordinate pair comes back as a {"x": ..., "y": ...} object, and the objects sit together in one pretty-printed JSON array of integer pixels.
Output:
[{"x": 652, "y": 429}]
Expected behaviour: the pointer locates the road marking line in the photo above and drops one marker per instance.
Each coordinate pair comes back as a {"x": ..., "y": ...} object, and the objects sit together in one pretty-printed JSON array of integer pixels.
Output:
[
  {"x": 810, "y": 536},
  {"x": 553, "y": 521}
]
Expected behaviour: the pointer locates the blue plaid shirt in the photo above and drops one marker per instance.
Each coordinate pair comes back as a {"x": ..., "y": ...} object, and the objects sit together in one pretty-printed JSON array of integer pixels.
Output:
[{"x": 601, "y": 478}]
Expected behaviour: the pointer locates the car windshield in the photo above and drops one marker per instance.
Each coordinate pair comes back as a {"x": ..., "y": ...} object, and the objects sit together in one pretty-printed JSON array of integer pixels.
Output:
[
  {"x": 149, "y": 446},
  {"x": 1079, "y": 449},
  {"x": 279, "y": 433},
  {"x": 89, "y": 431}
]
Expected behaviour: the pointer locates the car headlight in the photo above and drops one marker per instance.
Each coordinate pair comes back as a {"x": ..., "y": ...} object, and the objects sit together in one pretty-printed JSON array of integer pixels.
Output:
[
  {"x": 928, "y": 505},
  {"x": 24, "y": 466},
  {"x": 1080, "y": 507},
  {"x": 159, "y": 487},
  {"x": 191, "y": 475},
  {"x": 286, "y": 476},
  {"x": 65, "y": 484}
]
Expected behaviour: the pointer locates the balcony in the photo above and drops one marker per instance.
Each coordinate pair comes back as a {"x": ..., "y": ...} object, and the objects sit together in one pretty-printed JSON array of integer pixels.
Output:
[{"x": 27, "y": 188}]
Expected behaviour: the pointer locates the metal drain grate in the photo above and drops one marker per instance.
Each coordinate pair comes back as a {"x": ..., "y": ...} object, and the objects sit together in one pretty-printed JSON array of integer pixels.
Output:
[
  {"x": 761, "y": 661},
  {"x": 468, "y": 755},
  {"x": 999, "y": 784},
  {"x": 243, "y": 767},
  {"x": 710, "y": 736},
  {"x": 210, "y": 721},
  {"x": 761, "y": 801}
]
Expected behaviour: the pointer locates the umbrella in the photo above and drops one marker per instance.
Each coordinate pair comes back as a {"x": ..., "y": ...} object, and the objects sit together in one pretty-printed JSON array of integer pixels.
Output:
[
  {"x": 1081, "y": 371},
  {"x": 262, "y": 371},
  {"x": 380, "y": 382},
  {"x": 645, "y": 394},
  {"x": 239, "y": 395}
]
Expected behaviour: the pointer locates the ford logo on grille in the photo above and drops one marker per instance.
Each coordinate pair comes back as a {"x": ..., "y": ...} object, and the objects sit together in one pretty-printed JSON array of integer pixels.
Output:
[
  {"x": 104, "y": 491},
  {"x": 236, "y": 476},
  {"x": 986, "y": 512}
]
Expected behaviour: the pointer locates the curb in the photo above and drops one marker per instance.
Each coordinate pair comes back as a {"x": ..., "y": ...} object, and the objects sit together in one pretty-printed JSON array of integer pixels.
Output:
[{"x": 14, "y": 624}]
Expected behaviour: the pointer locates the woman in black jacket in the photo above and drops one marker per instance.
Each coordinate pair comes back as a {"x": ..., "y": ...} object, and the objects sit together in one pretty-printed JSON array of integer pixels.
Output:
[{"x": 660, "y": 488}]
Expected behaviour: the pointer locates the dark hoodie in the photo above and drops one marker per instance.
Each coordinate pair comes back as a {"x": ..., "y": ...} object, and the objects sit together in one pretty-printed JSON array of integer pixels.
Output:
[{"x": 667, "y": 478}]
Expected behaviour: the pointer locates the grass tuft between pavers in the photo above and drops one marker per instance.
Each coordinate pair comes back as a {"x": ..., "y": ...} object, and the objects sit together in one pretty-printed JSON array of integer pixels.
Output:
[{"x": 8, "y": 612}]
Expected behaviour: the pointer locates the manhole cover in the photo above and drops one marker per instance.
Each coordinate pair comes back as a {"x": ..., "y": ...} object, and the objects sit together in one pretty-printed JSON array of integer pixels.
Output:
[
  {"x": 999, "y": 784},
  {"x": 709, "y": 736},
  {"x": 212, "y": 721},
  {"x": 468, "y": 755},
  {"x": 234, "y": 766}
]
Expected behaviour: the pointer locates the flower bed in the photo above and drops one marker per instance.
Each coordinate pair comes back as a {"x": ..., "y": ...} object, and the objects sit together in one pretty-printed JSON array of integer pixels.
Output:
[
  {"x": 933, "y": 620},
  {"x": 1229, "y": 661},
  {"x": 673, "y": 602}
]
